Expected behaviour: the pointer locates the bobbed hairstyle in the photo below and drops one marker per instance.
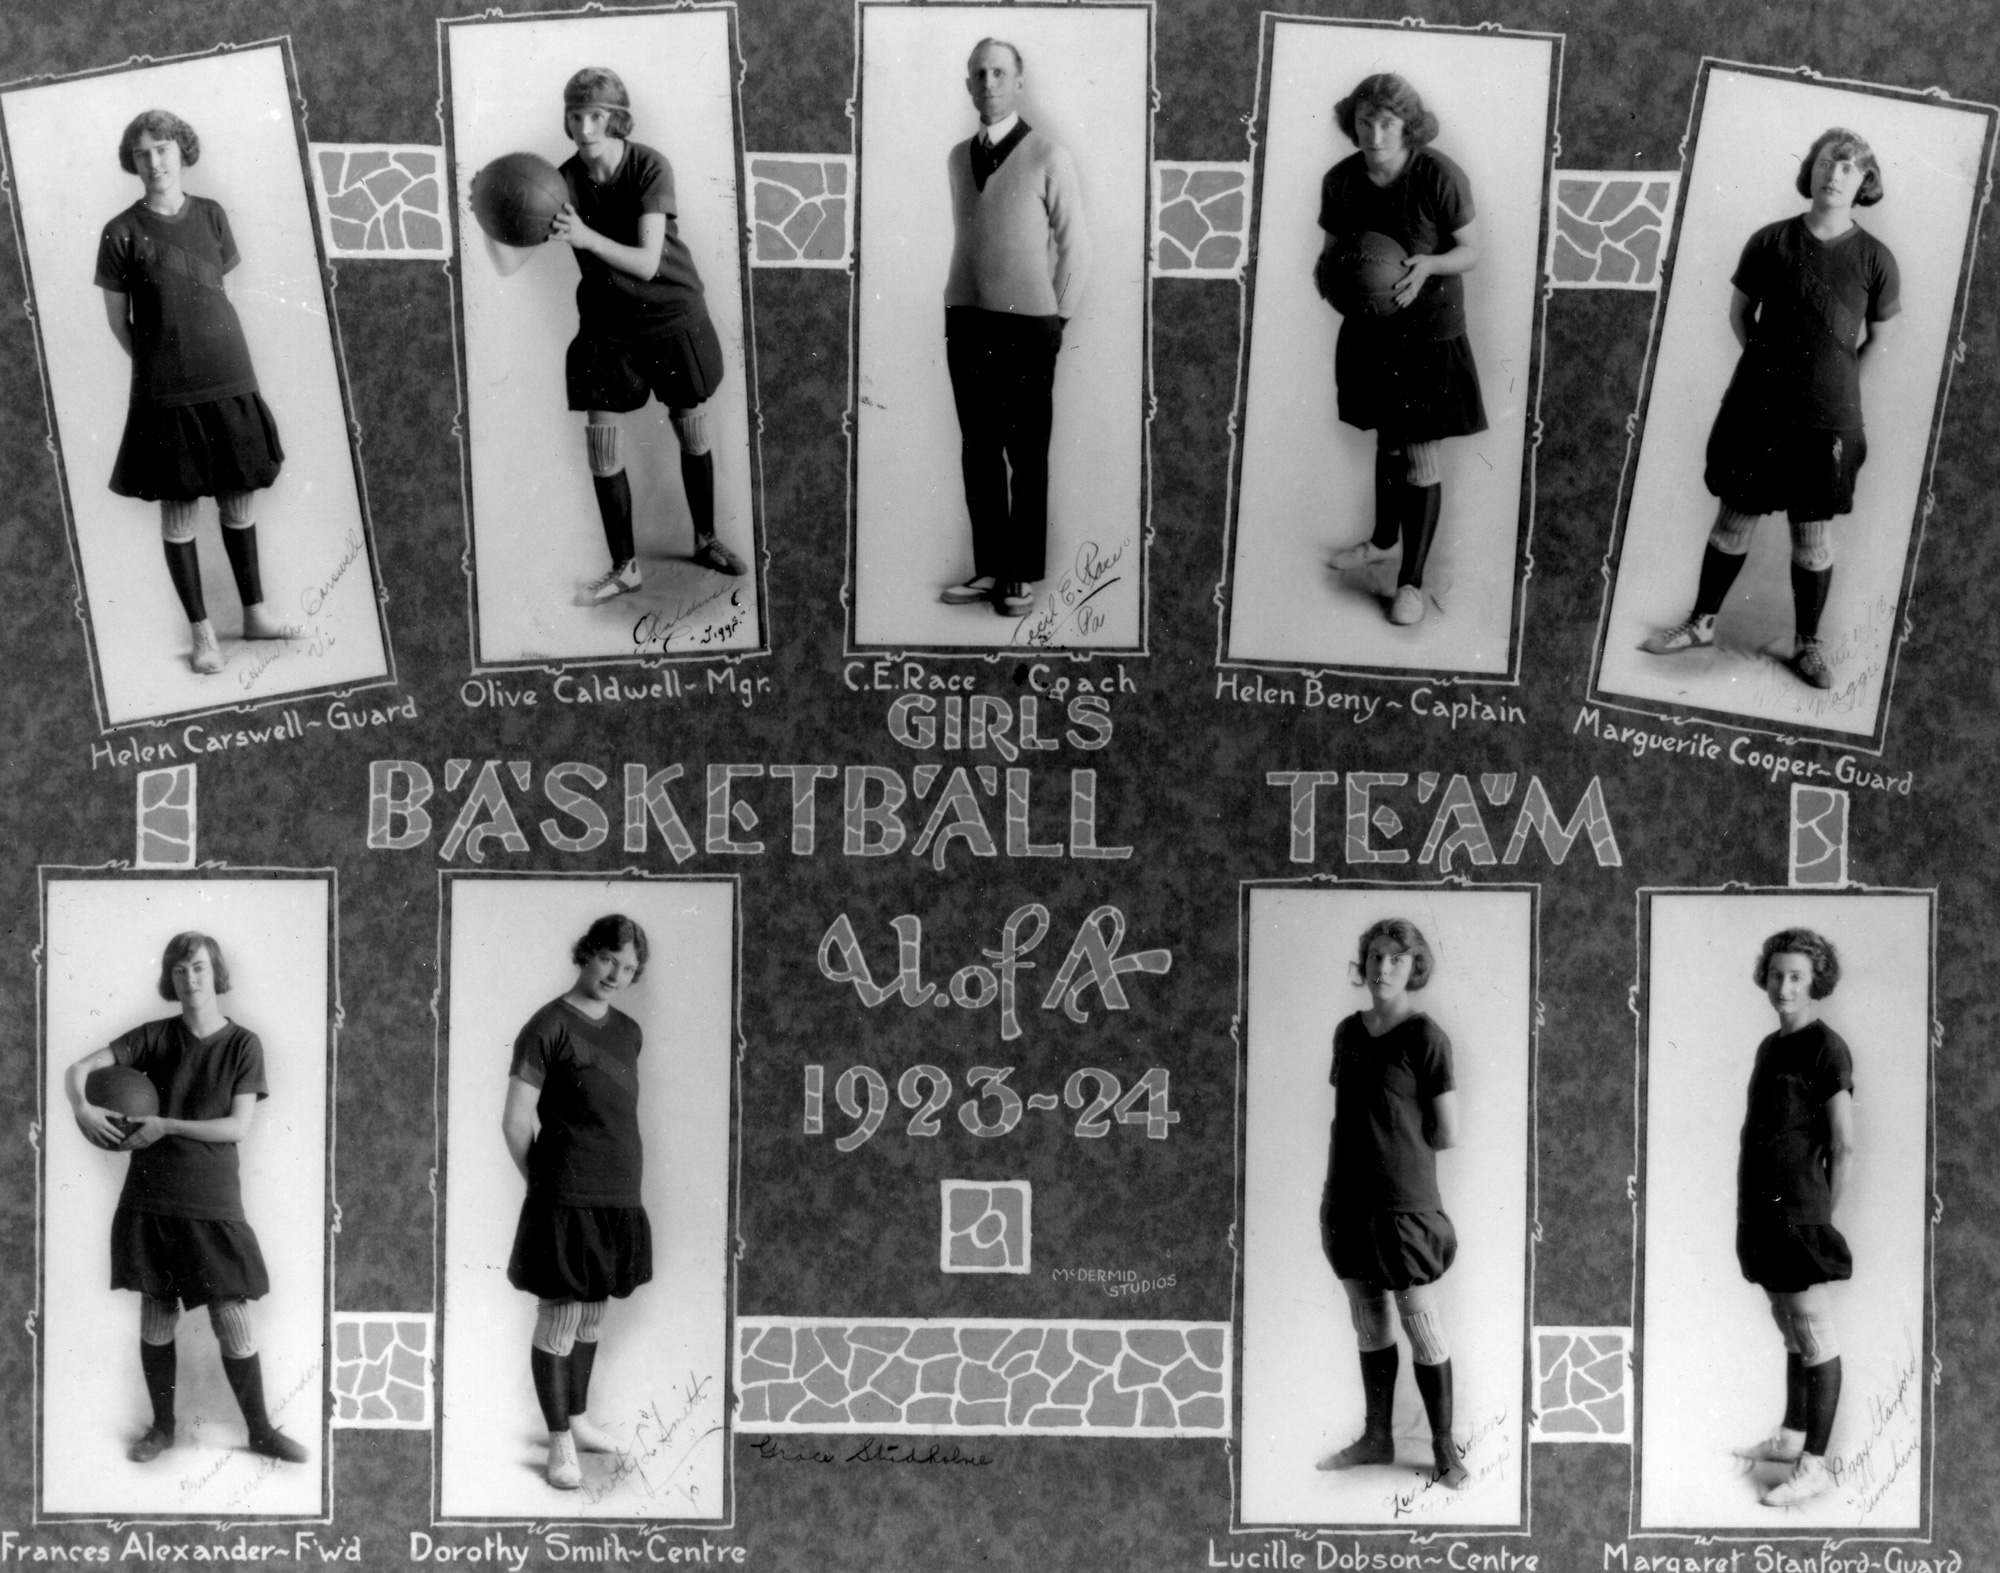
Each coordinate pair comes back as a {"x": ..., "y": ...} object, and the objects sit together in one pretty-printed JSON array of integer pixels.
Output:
[
  {"x": 1386, "y": 90},
  {"x": 599, "y": 87},
  {"x": 1815, "y": 947},
  {"x": 609, "y": 934},
  {"x": 1020, "y": 65},
  {"x": 158, "y": 123},
  {"x": 179, "y": 949},
  {"x": 1843, "y": 143},
  {"x": 1407, "y": 938}
]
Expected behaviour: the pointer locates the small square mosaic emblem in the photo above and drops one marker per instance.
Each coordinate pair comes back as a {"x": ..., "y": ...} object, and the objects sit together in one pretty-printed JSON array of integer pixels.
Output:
[
  {"x": 382, "y": 1369},
  {"x": 986, "y": 1226}
]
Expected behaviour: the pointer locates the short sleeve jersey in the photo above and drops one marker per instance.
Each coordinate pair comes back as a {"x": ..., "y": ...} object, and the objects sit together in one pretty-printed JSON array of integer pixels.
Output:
[
  {"x": 609, "y": 300},
  {"x": 1801, "y": 362},
  {"x": 1421, "y": 209},
  {"x": 1786, "y": 1166},
  {"x": 588, "y": 1153},
  {"x": 187, "y": 343},
  {"x": 196, "y": 1079},
  {"x": 1379, "y": 1158}
]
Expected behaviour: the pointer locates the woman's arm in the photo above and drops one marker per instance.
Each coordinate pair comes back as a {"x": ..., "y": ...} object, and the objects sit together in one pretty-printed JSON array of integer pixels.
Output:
[
  {"x": 1840, "y": 1143},
  {"x": 1880, "y": 336},
  {"x": 520, "y": 1124},
  {"x": 99, "y": 1126},
  {"x": 118, "y": 312},
  {"x": 1441, "y": 1129},
  {"x": 1739, "y": 318},
  {"x": 1462, "y": 258},
  {"x": 641, "y": 261},
  {"x": 232, "y": 1127}
]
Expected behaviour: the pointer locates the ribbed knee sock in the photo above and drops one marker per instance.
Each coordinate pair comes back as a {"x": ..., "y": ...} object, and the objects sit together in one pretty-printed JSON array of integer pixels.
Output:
[
  {"x": 698, "y": 479},
  {"x": 241, "y": 545},
  {"x": 1810, "y": 588},
  {"x": 184, "y": 568},
  {"x": 1434, "y": 1382},
  {"x": 552, "y": 1386},
  {"x": 158, "y": 1362},
  {"x": 1718, "y": 572},
  {"x": 614, "y": 507}
]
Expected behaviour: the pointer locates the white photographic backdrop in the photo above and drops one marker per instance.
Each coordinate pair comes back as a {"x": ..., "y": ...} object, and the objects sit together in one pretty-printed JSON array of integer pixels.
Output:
[
  {"x": 1308, "y": 482},
  {"x": 1086, "y": 82},
  {"x": 312, "y": 533},
  {"x": 535, "y": 529},
  {"x": 105, "y": 938},
  {"x": 1302, "y": 1394}
]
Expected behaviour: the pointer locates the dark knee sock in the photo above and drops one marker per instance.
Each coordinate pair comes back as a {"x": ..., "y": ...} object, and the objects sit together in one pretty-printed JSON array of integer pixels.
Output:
[
  {"x": 552, "y": 1387},
  {"x": 1795, "y": 1392},
  {"x": 1434, "y": 1382},
  {"x": 1422, "y": 504},
  {"x": 582, "y": 1357},
  {"x": 1718, "y": 572},
  {"x": 1391, "y": 471},
  {"x": 614, "y": 507},
  {"x": 184, "y": 568},
  {"x": 246, "y": 1381},
  {"x": 157, "y": 1361},
  {"x": 241, "y": 544},
  {"x": 698, "y": 480},
  {"x": 1378, "y": 1383},
  {"x": 1822, "y": 1399},
  {"x": 1810, "y": 588}
]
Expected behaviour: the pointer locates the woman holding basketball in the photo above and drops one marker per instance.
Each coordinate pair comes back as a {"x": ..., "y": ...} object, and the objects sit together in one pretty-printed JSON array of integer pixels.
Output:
[
  {"x": 1812, "y": 300},
  {"x": 1382, "y": 1222},
  {"x": 196, "y": 426},
  {"x": 1403, "y": 365},
  {"x": 571, "y": 1124},
  {"x": 179, "y": 1236}
]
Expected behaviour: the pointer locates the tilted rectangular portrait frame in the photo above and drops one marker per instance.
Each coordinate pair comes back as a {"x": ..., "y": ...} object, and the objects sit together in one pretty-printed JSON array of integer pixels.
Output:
[
  {"x": 661, "y": 1387},
  {"x": 1748, "y": 131},
  {"x": 315, "y": 540},
  {"x": 1302, "y": 484},
  {"x": 1299, "y": 1395},
  {"x": 533, "y": 536},
  {"x": 103, "y": 935},
  {"x": 1711, "y": 1365},
  {"x": 1088, "y": 84}
]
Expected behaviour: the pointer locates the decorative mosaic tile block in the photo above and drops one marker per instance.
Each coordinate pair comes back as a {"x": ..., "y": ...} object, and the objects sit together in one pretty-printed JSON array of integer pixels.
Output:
[
  {"x": 1201, "y": 220},
  {"x": 801, "y": 209},
  {"x": 381, "y": 202},
  {"x": 1819, "y": 835},
  {"x": 166, "y": 818},
  {"x": 985, "y": 1226},
  {"x": 978, "y": 1377},
  {"x": 382, "y": 1370},
  {"x": 1583, "y": 1384},
  {"x": 1610, "y": 228}
]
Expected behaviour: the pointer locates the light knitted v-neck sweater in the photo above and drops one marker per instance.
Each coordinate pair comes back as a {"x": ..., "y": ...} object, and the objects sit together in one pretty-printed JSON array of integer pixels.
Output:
[{"x": 1020, "y": 245}]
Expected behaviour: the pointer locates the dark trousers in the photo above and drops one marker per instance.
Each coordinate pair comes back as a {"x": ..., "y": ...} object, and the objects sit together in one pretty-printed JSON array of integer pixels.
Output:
[{"x": 1003, "y": 374}]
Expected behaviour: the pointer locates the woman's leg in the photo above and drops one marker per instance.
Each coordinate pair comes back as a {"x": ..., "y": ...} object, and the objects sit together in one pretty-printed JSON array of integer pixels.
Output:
[
  {"x": 1810, "y": 1313},
  {"x": 549, "y": 1358},
  {"x": 1812, "y": 583},
  {"x": 184, "y": 568},
  {"x": 698, "y": 480},
  {"x": 1784, "y": 1445},
  {"x": 1721, "y": 561},
  {"x": 1423, "y": 501},
  {"x": 614, "y": 505},
  {"x": 1375, "y": 1332},
  {"x": 157, "y": 1322},
  {"x": 1391, "y": 466},
  {"x": 1431, "y": 1356},
  {"x": 239, "y": 540},
  {"x": 231, "y": 1321},
  {"x": 582, "y": 1360}
]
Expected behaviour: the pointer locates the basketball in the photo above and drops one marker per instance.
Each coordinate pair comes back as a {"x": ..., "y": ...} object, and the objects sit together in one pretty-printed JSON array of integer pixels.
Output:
[
  {"x": 1363, "y": 276},
  {"x": 516, "y": 197},
  {"x": 129, "y": 1094}
]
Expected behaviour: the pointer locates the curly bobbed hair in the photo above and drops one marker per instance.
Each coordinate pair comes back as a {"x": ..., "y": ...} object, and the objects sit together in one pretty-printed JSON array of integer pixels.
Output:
[
  {"x": 1407, "y": 938},
  {"x": 604, "y": 88},
  {"x": 1843, "y": 143},
  {"x": 159, "y": 123},
  {"x": 179, "y": 949},
  {"x": 1815, "y": 947},
  {"x": 1386, "y": 90},
  {"x": 609, "y": 935}
]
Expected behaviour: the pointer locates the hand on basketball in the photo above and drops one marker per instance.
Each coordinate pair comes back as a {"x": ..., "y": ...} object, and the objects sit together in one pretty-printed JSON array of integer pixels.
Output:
[
  {"x": 100, "y": 1127},
  {"x": 144, "y": 1132},
  {"x": 571, "y": 230},
  {"x": 1412, "y": 282}
]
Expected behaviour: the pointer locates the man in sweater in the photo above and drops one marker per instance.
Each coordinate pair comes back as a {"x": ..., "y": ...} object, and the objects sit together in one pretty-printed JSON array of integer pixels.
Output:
[{"x": 1018, "y": 260}]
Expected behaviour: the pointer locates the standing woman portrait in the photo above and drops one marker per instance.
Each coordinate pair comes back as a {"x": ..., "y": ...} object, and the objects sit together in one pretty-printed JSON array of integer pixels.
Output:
[
  {"x": 179, "y": 1236},
  {"x": 1382, "y": 1221},
  {"x": 571, "y": 1125},
  {"x": 1797, "y": 1150},
  {"x": 1812, "y": 300},
  {"x": 1403, "y": 365},
  {"x": 196, "y": 425}
]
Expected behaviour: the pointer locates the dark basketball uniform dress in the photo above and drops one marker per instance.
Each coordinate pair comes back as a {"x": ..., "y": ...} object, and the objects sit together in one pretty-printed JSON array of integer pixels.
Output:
[
  {"x": 1785, "y": 1238},
  {"x": 196, "y": 425},
  {"x": 179, "y": 1232},
  {"x": 637, "y": 335},
  {"x": 1409, "y": 374},
  {"x": 583, "y": 1234},
  {"x": 1789, "y": 436},
  {"x": 1381, "y": 1219}
]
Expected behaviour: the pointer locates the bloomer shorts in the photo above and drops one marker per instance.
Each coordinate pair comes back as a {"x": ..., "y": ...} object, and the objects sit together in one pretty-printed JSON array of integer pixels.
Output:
[
  {"x": 580, "y": 1253},
  {"x": 682, "y": 366},
  {"x": 1806, "y": 474},
  {"x": 193, "y": 1260},
  {"x": 1787, "y": 1257},
  {"x": 1395, "y": 1250}
]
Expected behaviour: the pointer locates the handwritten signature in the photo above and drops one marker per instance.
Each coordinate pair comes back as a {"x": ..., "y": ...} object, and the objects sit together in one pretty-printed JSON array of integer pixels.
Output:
[
  {"x": 313, "y": 599},
  {"x": 658, "y": 630},
  {"x": 1867, "y": 1474},
  {"x": 646, "y": 1461},
  {"x": 1073, "y": 603}
]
